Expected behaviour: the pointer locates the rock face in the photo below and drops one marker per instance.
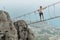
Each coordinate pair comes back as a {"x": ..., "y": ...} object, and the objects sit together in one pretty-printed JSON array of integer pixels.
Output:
[
  {"x": 17, "y": 31},
  {"x": 7, "y": 29},
  {"x": 24, "y": 33}
]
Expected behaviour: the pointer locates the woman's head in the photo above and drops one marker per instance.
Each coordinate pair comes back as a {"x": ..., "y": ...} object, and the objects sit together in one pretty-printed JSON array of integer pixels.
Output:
[{"x": 40, "y": 6}]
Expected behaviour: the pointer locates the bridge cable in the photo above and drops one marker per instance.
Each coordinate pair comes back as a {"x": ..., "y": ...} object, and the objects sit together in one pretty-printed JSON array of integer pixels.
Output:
[
  {"x": 44, "y": 20},
  {"x": 35, "y": 10},
  {"x": 54, "y": 10}
]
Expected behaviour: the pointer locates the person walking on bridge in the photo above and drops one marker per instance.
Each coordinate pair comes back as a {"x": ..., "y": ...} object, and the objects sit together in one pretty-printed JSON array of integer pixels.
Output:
[{"x": 40, "y": 10}]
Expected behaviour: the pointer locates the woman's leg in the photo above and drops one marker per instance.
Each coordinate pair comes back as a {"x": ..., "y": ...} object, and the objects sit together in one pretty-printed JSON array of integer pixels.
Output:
[{"x": 42, "y": 16}]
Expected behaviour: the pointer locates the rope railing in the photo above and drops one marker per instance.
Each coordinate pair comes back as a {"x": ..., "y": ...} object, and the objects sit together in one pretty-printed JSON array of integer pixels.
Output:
[
  {"x": 28, "y": 15},
  {"x": 35, "y": 10},
  {"x": 44, "y": 20}
]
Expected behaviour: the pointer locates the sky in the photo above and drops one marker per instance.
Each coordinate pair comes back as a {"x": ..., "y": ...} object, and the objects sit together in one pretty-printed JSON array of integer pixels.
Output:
[{"x": 19, "y": 7}]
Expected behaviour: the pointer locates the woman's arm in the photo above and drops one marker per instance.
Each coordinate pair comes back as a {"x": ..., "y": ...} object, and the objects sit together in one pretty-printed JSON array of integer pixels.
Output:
[
  {"x": 36, "y": 10},
  {"x": 45, "y": 7}
]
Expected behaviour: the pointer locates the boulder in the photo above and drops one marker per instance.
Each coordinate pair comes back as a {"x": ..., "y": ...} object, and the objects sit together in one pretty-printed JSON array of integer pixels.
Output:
[
  {"x": 24, "y": 33},
  {"x": 7, "y": 29}
]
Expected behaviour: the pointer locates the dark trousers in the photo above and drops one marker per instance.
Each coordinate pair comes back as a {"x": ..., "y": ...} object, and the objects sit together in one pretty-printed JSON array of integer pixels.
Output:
[{"x": 41, "y": 16}]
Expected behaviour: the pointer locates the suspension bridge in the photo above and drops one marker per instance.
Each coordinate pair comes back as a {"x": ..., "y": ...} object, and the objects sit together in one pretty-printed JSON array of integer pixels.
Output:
[{"x": 31, "y": 15}]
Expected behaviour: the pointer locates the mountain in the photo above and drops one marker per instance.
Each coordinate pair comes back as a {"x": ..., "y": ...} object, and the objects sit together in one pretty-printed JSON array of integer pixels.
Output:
[
  {"x": 45, "y": 31},
  {"x": 14, "y": 30},
  {"x": 23, "y": 32},
  {"x": 7, "y": 29}
]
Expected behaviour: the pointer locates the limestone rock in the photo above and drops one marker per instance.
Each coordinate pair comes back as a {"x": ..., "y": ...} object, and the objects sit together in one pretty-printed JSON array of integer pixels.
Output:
[
  {"x": 24, "y": 33},
  {"x": 7, "y": 29}
]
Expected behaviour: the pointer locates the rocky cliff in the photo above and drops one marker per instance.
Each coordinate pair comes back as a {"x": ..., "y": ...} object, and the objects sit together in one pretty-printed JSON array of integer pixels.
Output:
[
  {"x": 14, "y": 31},
  {"x": 7, "y": 29},
  {"x": 24, "y": 33}
]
